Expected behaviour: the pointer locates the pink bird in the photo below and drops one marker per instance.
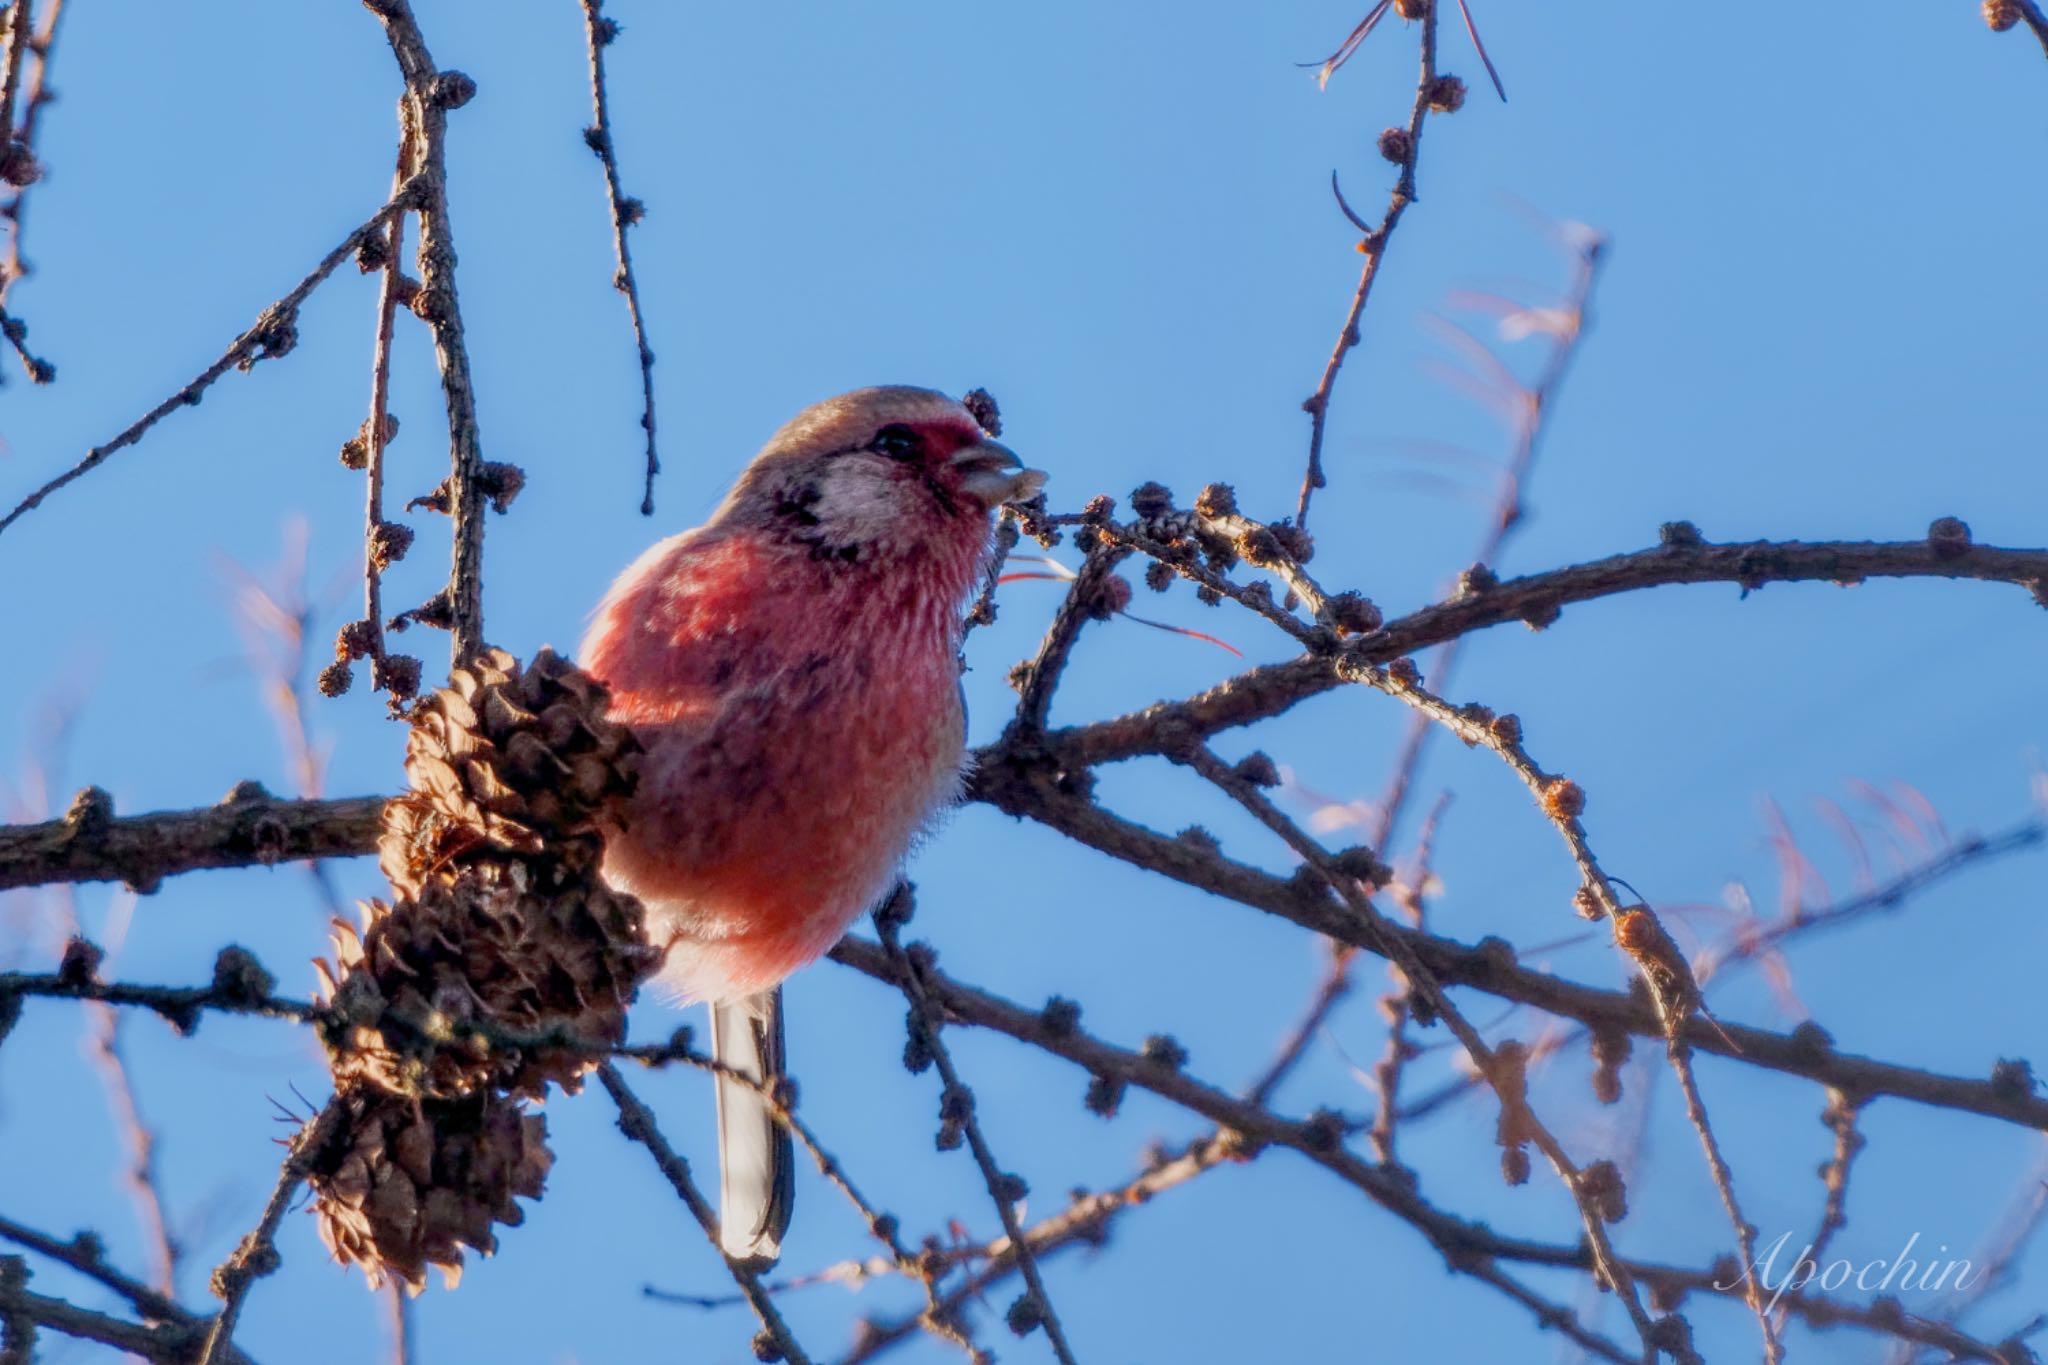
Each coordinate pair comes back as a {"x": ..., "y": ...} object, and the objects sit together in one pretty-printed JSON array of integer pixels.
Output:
[{"x": 793, "y": 668}]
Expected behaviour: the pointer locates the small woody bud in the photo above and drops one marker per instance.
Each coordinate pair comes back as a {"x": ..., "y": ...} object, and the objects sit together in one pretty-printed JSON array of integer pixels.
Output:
[
  {"x": 1217, "y": 500},
  {"x": 1151, "y": 499},
  {"x": 1563, "y": 799},
  {"x": 81, "y": 963},
  {"x": 981, "y": 406},
  {"x": 1257, "y": 769},
  {"x": 1025, "y": 1316},
  {"x": 1678, "y": 533},
  {"x": 388, "y": 544},
  {"x": 1112, "y": 595},
  {"x": 1949, "y": 538},
  {"x": 1353, "y": 614},
  {"x": 1396, "y": 146}
]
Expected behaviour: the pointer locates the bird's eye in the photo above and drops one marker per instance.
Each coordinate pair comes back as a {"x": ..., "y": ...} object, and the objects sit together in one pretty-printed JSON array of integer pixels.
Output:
[{"x": 898, "y": 442}]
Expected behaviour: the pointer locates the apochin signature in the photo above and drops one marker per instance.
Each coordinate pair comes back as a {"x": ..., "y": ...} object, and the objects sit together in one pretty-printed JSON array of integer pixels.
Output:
[{"x": 1898, "y": 1274}]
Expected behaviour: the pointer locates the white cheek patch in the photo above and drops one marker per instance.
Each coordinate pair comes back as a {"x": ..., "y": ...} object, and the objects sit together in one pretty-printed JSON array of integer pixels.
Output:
[{"x": 859, "y": 499}]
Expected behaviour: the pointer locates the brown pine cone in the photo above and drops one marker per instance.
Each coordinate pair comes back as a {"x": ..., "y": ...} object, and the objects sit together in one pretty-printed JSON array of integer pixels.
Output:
[
  {"x": 500, "y": 933},
  {"x": 512, "y": 759},
  {"x": 412, "y": 1182},
  {"x": 514, "y": 948}
]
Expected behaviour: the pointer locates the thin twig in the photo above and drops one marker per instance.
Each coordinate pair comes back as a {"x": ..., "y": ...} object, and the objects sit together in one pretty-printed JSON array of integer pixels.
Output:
[
  {"x": 1489, "y": 1062},
  {"x": 1464, "y": 1243},
  {"x": 398, "y": 1308},
  {"x": 1538, "y": 599},
  {"x": 1890, "y": 895},
  {"x": 276, "y": 614},
  {"x": 87, "y": 1254},
  {"x": 433, "y": 93},
  {"x": 884, "y": 1227},
  {"x": 1724, "y": 1185},
  {"x": 20, "y": 23},
  {"x": 1088, "y": 1222},
  {"x": 1678, "y": 999},
  {"x": 144, "y": 849},
  {"x": 1256, "y": 598},
  {"x": 1533, "y": 409},
  {"x": 1008, "y": 533},
  {"x": 1374, "y": 245},
  {"x": 166, "y": 1344},
  {"x": 1491, "y": 967},
  {"x": 1082, "y": 604},
  {"x": 111, "y": 1060},
  {"x": 275, "y": 332},
  {"x": 221, "y": 837},
  {"x": 180, "y": 1006},
  {"x": 2035, "y": 18},
  {"x": 1004, "y": 1189},
  {"x": 636, "y": 1121},
  {"x": 15, "y": 332},
  {"x": 141, "y": 1175},
  {"x": 1399, "y": 1049},
  {"x": 1996, "y": 1263},
  {"x": 1711, "y": 967},
  {"x": 1561, "y": 802},
  {"x": 1084, "y": 1222},
  {"x": 256, "y": 1255},
  {"x": 39, "y": 95},
  {"x": 378, "y": 540},
  {"x": 1840, "y": 1116},
  {"x": 625, "y": 213}
]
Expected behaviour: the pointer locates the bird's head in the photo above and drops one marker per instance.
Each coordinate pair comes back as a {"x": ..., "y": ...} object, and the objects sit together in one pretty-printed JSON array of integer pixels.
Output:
[{"x": 875, "y": 470}]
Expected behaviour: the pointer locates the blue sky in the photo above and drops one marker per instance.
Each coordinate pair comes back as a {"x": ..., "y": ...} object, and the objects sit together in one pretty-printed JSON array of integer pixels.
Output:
[{"x": 1821, "y": 318}]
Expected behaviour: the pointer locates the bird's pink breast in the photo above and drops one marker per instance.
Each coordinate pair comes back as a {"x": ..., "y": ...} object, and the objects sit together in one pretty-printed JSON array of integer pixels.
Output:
[{"x": 802, "y": 723}]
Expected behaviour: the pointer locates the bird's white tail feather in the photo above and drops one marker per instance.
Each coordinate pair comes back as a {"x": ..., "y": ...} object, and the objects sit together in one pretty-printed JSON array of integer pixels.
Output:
[{"x": 756, "y": 1159}]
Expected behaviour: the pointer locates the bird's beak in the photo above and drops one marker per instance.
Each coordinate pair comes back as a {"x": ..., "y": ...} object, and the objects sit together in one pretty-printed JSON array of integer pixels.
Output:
[{"x": 993, "y": 473}]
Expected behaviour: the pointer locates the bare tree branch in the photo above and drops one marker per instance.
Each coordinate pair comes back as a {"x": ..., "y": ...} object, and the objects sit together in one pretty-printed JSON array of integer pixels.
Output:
[{"x": 249, "y": 828}]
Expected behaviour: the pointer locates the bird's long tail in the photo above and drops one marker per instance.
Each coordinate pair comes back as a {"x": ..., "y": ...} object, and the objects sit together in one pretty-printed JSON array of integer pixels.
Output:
[{"x": 756, "y": 1159}]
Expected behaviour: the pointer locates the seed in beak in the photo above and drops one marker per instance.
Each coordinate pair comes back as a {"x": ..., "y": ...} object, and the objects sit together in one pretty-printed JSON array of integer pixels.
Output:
[{"x": 993, "y": 473}]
